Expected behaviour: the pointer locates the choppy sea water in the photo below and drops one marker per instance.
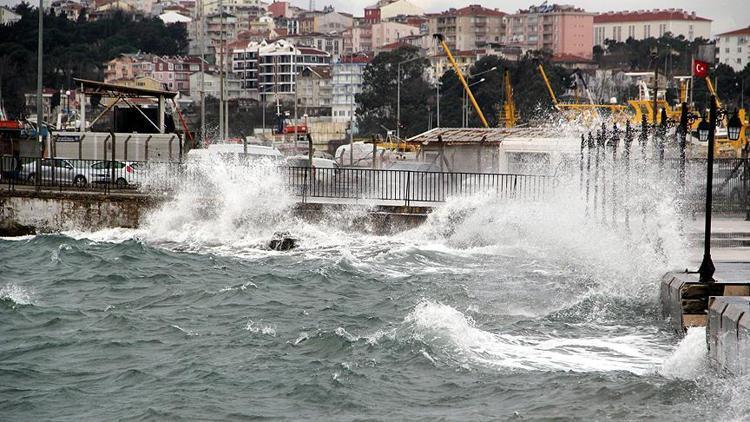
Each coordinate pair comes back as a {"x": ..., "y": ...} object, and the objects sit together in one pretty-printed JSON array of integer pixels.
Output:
[{"x": 489, "y": 311}]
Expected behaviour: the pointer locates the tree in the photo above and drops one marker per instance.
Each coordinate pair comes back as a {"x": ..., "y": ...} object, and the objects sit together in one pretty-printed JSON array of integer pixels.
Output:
[
  {"x": 75, "y": 49},
  {"x": 377, "y": 103}
]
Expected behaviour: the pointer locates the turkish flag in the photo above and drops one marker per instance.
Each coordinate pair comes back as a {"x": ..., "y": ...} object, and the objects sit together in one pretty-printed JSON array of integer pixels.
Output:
[{"x": 700, "y": 69}]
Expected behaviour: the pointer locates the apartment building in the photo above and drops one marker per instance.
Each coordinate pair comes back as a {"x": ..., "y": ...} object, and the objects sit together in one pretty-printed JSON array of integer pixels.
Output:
[
  {"x": 469, "y": 27},
  {"x": 642, "y": 24},
  {"x": 314, "y": 90},
  {"x": 268, "y": 69},
  {"x": 346, "y": 82},
  {"x": 384, "y": 33},
  {"x": 332, "y": 43},
  {"x": 387, "y": 9},
  {"x": 733, "y": 48},
  {"x": 558, "y": 29},
  {"x": 172, "y": 72}
]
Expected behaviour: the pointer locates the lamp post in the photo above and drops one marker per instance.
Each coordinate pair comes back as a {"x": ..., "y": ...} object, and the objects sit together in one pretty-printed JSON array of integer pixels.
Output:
[
  {"x": 39, "y": 91},
  {"x": 734, "y": 129},
  {"x": 706, "y": 131},
  {"x": 398, "y": 94},
  {"x": 465, "y": 109}
]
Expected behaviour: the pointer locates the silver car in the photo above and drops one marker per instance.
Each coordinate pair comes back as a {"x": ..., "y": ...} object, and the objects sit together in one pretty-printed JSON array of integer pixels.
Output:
[{"x": 58, "y": 169}]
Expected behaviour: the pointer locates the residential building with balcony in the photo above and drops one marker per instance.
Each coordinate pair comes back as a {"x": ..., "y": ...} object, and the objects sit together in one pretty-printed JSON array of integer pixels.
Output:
[
  {"x": 314, "y": 91},
  {"x": 733, "y": 48},
  {"x": 470, "y": 27},
  {"x": 346, "y": 82},
  {"x": 267, "y": 69},
  {"x": 557, "y": 29},
  {"x": 331, "y": 43},
  {"x": 643, "y": 24},
  {"x": 385, "y": 32}
]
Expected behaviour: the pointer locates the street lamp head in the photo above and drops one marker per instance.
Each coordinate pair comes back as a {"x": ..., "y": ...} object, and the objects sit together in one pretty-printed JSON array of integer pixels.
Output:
[
  {"x": 734, "y": 127},
  {"x": 703, "y": 129}
]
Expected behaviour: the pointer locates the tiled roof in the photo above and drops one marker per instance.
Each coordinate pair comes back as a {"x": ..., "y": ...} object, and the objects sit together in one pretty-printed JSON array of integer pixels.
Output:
[
  {"x": 743, "y": 31},
  {"x": 471, "y": 10},
  {"x": 648, "y": 15}
]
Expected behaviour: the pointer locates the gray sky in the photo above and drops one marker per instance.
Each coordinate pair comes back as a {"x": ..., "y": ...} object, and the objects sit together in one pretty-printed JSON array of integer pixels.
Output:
[{"x": 727, "y": 15}]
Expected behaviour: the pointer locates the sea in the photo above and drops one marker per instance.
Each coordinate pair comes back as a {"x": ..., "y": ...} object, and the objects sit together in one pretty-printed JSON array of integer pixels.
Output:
[{"x": 490, "y": 310}]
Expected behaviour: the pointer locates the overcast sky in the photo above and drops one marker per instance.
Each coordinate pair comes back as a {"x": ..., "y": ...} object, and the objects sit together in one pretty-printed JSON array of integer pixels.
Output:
[{"x": 727, "y": 15}]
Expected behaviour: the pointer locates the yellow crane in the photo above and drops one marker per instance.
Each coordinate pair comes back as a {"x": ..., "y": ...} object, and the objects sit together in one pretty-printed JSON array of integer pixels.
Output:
[
  {"x": 461, "y": 78},
  {"x": 509, "y": 107}
]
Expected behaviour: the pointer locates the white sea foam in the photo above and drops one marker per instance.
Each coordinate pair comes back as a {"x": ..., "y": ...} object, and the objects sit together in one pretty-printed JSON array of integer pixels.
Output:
[
  {"x": 690, "y": 359},
  {"x": 456, "y": 338},
  {"x": 260, "y": 328},
  {"x": 16, "y": 294}
]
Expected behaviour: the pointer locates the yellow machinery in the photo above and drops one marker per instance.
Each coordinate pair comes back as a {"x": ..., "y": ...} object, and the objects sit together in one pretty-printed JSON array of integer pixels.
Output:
[
  {"x": 448, "y": 54},
  {"x": 509, "y": 107},
  {"x": 588, "y": 112}
]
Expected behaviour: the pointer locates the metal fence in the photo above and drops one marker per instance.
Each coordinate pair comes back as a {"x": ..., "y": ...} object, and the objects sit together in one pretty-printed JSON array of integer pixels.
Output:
[
  {"x": 72, "y": 174},
  {"x": 413, "y": 186},
  {"x": 401, "y": 186}
]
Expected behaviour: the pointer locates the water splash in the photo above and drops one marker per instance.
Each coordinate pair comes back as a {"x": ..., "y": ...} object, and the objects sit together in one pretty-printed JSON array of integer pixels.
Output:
[
  {"x": 16, "y": 295},
  {"x": 690, "y": 358}
]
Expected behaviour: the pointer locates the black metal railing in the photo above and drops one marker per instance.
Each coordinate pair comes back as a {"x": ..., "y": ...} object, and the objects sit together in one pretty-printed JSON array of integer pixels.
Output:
[
  {"x": 74, "y": 174},
  {"x": 413, "y": 186}
]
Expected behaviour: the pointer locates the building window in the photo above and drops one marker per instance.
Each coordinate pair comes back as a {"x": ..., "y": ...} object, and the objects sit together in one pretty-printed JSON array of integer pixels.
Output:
[
  {"x": 631, "y": 31},
  {"x": 662, "y": 29},
  {"x": 646, "y": 31},
  {"x": 726, "y": 50}
]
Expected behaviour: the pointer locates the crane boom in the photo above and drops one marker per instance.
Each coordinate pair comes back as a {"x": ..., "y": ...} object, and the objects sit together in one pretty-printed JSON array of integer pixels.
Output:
[
  {"x": 441, "y": 39},
  {"x": 510, "y": 106},
  {"x": 549, "y": 87},
  {"x": 713, "y": 91}
]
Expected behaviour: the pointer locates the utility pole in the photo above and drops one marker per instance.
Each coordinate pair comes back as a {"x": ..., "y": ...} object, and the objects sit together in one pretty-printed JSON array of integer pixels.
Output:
[
  {"x": 221, "y": 70},
  {"x": 202, "y": 41},
  {"x": 351, "y": 130},
  {"x": 39, "y": 112}
]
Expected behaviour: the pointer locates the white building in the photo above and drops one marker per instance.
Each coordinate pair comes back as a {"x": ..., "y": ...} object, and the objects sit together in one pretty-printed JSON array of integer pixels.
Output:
[
  {"x": 271, "y": 68},
  {"x": 734, "y": 48},
  {"x": 384, "y": 33},
  {"x": 642, "y": 24},
  {"x": 346, "y": 82}
]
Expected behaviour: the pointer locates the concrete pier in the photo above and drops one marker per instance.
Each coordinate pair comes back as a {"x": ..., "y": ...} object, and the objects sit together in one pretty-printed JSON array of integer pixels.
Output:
[
  {"x": 26, "y": 211},
  {"x": 728, "y": 333}
]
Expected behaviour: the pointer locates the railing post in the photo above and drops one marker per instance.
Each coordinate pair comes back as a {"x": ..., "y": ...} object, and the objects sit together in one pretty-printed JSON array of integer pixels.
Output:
[
  {"x": 408, "y": 188},
  {"x": 683, "y": 130},
  {"x": 628, "y": 142},
  {"x": 112, "y": 179},
  {"x": 615, "y": 141},
  {"x": 596, "y": 171},
  {"x": 590, "y": 146}
]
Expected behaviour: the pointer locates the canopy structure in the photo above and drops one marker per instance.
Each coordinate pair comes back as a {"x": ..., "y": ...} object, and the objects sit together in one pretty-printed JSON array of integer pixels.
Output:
[{"x": 125, "y": 94}]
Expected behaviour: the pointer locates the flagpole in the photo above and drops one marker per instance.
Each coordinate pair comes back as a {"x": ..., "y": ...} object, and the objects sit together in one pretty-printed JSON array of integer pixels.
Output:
[{"x": 692, "y": 66}]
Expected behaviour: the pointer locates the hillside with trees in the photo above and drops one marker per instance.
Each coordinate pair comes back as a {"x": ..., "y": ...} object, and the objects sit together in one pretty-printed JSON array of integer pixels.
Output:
[{"x": 75, "y": 49}]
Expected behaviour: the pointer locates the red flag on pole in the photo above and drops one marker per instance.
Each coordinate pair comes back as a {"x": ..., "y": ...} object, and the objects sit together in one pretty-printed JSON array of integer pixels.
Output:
[{"x": 700, "y": 69}]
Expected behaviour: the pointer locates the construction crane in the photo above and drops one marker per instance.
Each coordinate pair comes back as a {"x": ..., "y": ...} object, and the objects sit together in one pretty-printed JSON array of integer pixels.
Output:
[
  {"x": 509, "y": 107},
  {"x": 589, "y": 111},
  {"x": 441, "y": 40}
]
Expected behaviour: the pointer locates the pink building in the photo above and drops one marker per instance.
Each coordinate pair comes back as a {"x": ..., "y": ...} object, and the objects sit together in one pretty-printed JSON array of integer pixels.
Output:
[
  {"x": 558, "y": 29},
  {"x": 172, "y": 72}
]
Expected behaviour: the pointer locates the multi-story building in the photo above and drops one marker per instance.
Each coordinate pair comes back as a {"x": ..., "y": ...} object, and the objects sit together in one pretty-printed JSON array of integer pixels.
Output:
[
  {"x": 424, "y": 42},
  {"x": 268, "y": 69},
  {"x": 358, "y": 38},
  {"x": 642, "y": 24},
  {"x": 324, "y": 22},
  {"x": 314, "y": 90},
  {"x": 558, "y": 29},
  {"x": 733, "y": 48},
  {"x": 387, "y": 9},
  {"x": 173, "y": 73},
  {"x": 332, "y": 44},
  {"x": 385, "y": 32},
  {"x": 68, "y": 8},
  {"x": 346, "y": 82},
  {"x": 469, "y": 27}
]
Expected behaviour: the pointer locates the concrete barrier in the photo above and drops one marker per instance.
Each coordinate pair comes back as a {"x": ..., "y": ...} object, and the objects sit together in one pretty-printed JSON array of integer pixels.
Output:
[
  {"x": 728, "y": 333},
  {"x": 686, "y": 301}
]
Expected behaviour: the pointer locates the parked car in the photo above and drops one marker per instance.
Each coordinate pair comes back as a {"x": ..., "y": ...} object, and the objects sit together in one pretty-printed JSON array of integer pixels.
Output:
[
  {"x": 323, "y": 168},
  {"x": 125, "y": 172},
  {"x": 60, "y": 170}
]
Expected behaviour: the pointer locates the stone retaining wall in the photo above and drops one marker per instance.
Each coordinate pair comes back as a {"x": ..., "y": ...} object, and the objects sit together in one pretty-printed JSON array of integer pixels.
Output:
[{"x": 728, "y": 333}]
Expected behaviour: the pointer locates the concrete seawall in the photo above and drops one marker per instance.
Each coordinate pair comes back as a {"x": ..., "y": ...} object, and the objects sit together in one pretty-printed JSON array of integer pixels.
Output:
[
  {"x": 28, "y": 211},
  {"x": 728, "y": 333},
  {"x": 23, "y": 212}
]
